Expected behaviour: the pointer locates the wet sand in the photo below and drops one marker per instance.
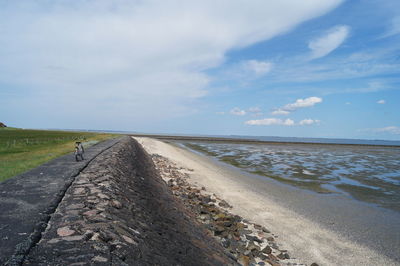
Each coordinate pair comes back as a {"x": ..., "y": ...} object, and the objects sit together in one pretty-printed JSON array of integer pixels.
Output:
[{"x": 327, "y": 229}]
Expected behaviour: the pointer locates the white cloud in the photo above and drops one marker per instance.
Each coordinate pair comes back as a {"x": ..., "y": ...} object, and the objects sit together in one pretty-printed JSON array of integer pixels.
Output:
[
  {"x": 324, "y": 45},
  {"x": 308, "y": 122},
  {"x": 302, "y": 103},
  {"x": 270, "y": 122},
  {"x": 281, "y": 122},
  {"x": 259, "y": 68},
  {"x": 220, "y": 113},
  {"x": 381, "y": 102},
  {"x": 237, "y": 111},
  {"x": 131, "y": 61},
  {"x": 280, "y": 112}
]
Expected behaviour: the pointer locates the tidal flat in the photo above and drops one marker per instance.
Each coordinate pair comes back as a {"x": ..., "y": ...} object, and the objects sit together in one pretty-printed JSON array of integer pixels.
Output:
[{"x": 366, "y": 173}]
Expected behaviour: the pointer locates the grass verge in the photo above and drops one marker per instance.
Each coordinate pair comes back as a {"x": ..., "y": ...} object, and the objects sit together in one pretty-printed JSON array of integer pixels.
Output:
[{"x": 21, "y": 150}]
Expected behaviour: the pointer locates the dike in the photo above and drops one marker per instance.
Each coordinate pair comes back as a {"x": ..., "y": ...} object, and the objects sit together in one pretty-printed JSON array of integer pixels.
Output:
[{"x": 119, "y": 211}]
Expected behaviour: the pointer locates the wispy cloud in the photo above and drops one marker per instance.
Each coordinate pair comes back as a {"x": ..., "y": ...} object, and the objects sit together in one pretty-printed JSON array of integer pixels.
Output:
[
  {"x": 393, "y": 28},
  {"x": 259, "y": 68},
  {"x": 389, "y": 129},
  {"x": 237, "y": 111},
  {"x": 325, "y": 44},
  {"x": 381, "y": 102},
  {"x": 270, "y": 122},
  {"x": 369, "y": 62},
  {"x": 255, "y": 109},
  {"x": 280, "y": 112}
]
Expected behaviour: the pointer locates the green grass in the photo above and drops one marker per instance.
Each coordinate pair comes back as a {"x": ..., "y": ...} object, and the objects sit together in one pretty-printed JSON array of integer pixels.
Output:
[{"x": 21, "y": 150}]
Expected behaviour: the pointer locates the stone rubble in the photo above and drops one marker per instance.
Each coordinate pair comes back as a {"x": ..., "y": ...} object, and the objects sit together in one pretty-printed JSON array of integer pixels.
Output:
[{"x": 248, "y": 243}]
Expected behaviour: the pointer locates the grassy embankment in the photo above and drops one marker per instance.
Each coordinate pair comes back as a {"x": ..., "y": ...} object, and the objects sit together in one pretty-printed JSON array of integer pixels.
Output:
[{"x": 21, "y": 150}]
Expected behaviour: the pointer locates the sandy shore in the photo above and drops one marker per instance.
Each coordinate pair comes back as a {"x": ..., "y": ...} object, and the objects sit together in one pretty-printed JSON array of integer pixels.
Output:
[{"x": 301, "y": 235}]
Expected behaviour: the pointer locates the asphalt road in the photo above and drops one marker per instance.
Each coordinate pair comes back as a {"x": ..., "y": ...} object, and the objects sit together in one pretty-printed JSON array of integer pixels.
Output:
[{"x": 28, "y": 200}]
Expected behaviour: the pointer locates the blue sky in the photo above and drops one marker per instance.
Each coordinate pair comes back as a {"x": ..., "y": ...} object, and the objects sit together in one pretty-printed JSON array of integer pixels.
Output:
[{"x": 313, "y": 68}]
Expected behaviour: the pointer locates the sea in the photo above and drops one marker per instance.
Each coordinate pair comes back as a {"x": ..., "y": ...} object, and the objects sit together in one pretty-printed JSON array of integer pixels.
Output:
[{"x": 365, "y": 170}]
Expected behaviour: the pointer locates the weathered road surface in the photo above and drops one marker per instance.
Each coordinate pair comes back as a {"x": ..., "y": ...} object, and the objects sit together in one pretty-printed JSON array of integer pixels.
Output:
[{"x": 28, "y": 200}]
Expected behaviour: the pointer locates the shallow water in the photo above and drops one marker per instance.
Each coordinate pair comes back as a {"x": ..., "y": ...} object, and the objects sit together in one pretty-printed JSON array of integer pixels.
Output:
[{"x": 369, "y": 174}]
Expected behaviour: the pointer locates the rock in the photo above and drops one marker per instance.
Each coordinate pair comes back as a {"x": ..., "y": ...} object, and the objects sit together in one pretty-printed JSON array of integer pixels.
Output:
[
  {"x": 253, "y": 238},
  {"x": 219, "y": 216},
  {"x": 2, "y": 124},
  {"x": 206, "y": 199},
  {"x": 224, "y": 204},
  {"x": 65, "y": 231},
  {"x": 218, "y": 230},
  {"x": 272, "y": 263},
  {"x": 265, "y": 230},
  {"x": 283, "y": 256},
  {"x": 244, "y": 231},
  {"x": 129, "y": 240},
  {"x": 116, "y": 204},
  {"x": 273, "y": 257},
  {"x": 270, "y": 238},
  {"x": 79, "y": 191},
  {"x": 226, "y": 243},
  {"x": 262, "y": 256},
  {"x": 257, "y": 226},
  {"x": 91, "y": 213},
  {"x": 267, "y": 250},
  {"x": 76, "y": 206},
  {"x": 54, "y": 240},
  {"x": 171, "y": 183},
  {"x": 105, "y": 237},
  {"x": 99, "y": 259},
  {"x": 252, "y": 246},
  {"x": 244, "y": 260},
  {"x": 274, "y": 245},
  {"x": 74, "y": 238},
  {"x": 88, "y": 234},
  {"x": 103, "y": 196},
  {"x": 95, "y": 237},
  {"x": 314, "y": 264}
]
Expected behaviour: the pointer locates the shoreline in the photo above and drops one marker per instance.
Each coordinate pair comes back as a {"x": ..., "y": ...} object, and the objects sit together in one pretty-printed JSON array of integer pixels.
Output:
[
  {"x": 309, "y": 236},
  {"x": 254, "y": 141}
]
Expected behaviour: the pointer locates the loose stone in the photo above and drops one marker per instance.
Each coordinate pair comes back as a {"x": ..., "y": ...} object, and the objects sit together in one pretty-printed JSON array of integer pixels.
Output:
[{"x": 65, "y": 231}]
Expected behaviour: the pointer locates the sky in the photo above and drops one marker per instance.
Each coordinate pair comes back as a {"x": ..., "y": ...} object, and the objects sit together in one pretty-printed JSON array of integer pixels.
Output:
[{"x": 310, "y": 68}]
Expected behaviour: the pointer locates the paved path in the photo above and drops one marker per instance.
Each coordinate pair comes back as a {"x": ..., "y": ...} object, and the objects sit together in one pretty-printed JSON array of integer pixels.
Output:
[{"x": 28, "y": 200}]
